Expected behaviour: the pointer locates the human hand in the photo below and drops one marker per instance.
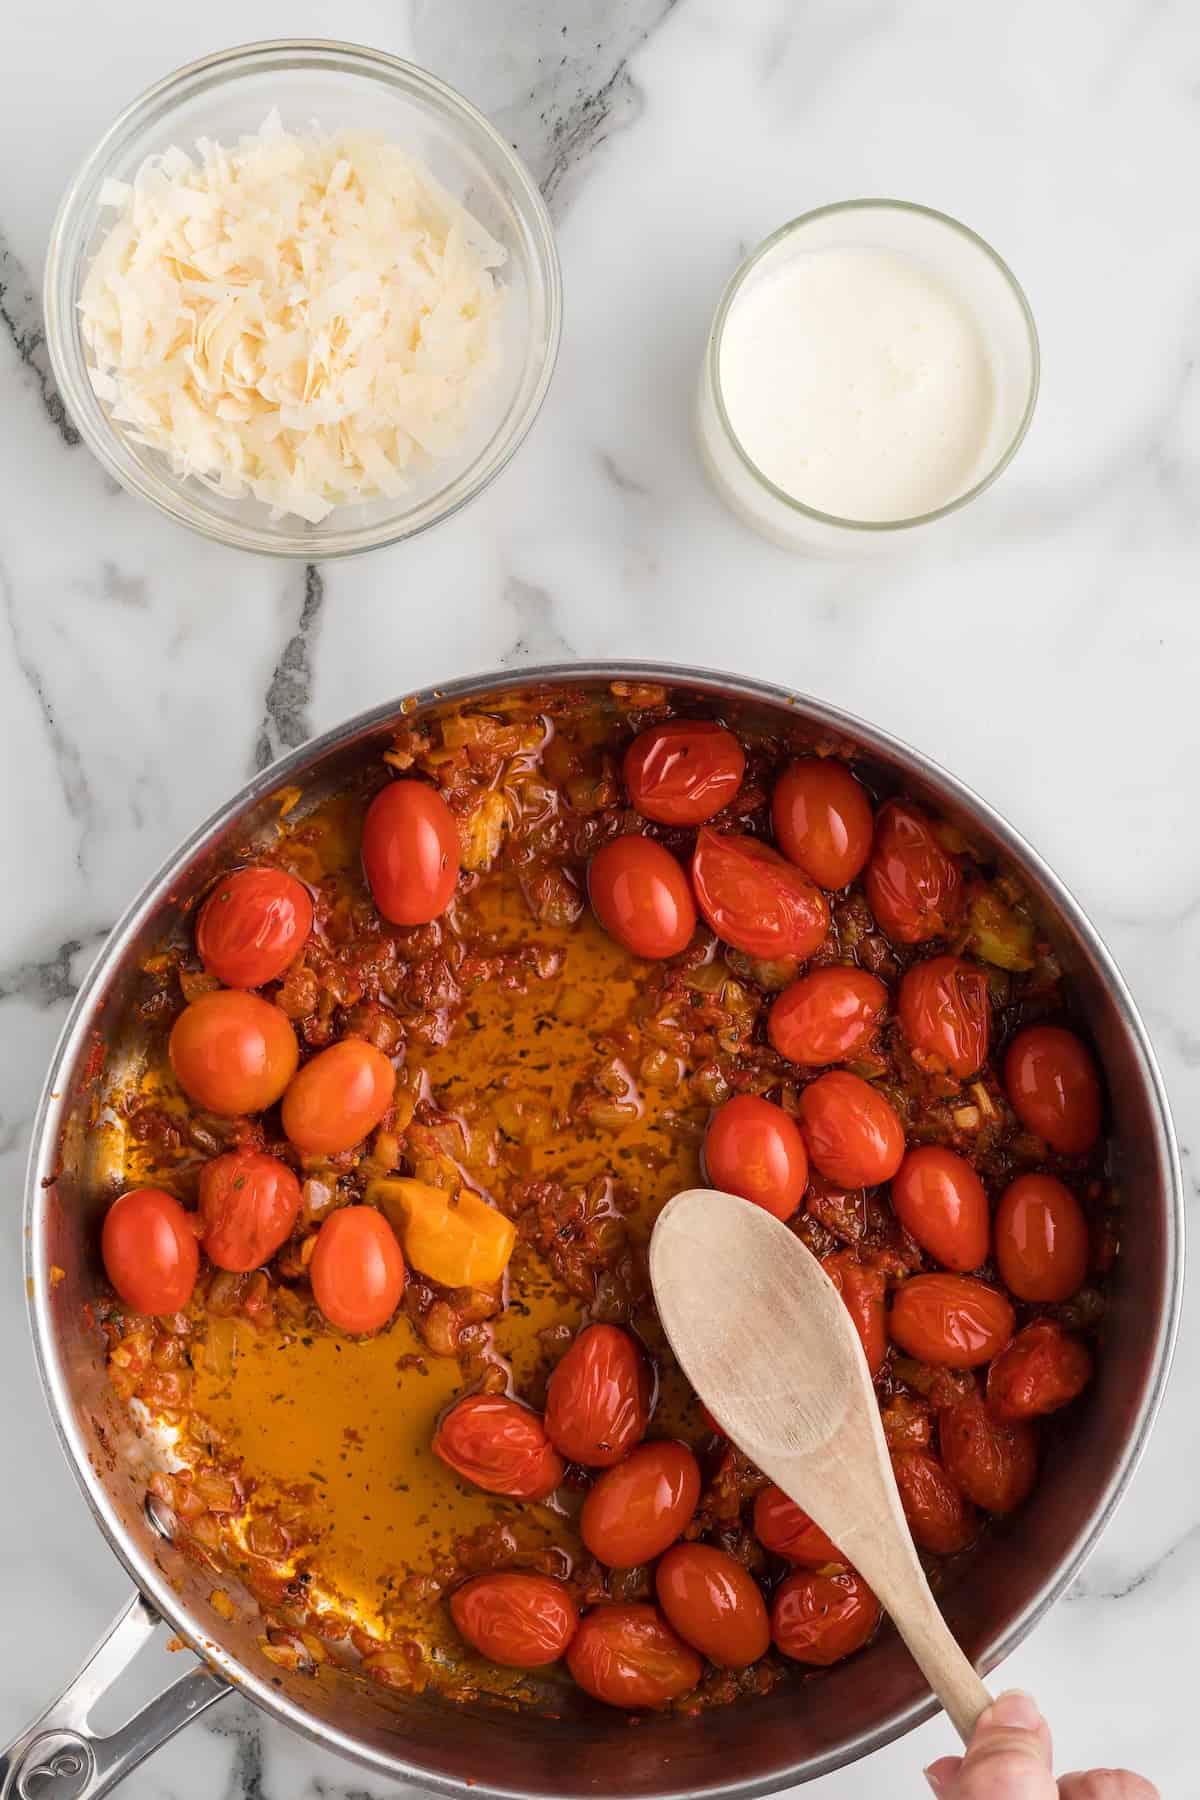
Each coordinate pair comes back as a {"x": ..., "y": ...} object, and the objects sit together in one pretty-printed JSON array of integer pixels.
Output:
[{"x": 1010, "y": 1758}]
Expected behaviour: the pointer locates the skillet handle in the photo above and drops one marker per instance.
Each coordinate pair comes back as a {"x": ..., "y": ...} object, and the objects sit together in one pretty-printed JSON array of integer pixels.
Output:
[{"x": 60, "y": 1757}]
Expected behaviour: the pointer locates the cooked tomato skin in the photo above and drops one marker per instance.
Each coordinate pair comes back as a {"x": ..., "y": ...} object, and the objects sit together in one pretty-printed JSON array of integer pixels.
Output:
[
  {"x": 249, "y": 1203},
  {"x": 938, "y": 1197},
  {"x": 822, "y": 819},
  {"x": 951, "y": 1321},
  {"x": 913, "y": 886},
  {"x": 1051, "y": 1079},
  {"x": 852, "y": 1134},
  {"x": 629, "y": 1656},
  {"x": 641, "y": 896},
  {"x": 597, "y": 1403},
  {"x": 521, "y": 1621},
  {"x": 1042, "y": 1369},
  {"x": 714, "y": 1603},
  {"x": 357, "y": 1270},
  {"x": 683, "y": 772},
  {"x": 233, "y": 1052},
  {"x": 782, "y": 1526},
  {"x": 500, "y": 1446},
  {"x": 939, "y": 1516},
  {"x": 993, "y": 1461},
  {"x": 754, "y": 1149},
  {"x": 946, "y": 1015},
  {"x": 1041, "y": 1239},
  {"x": 636, "y": 1510},
  {"x": 864, "y": 1291},
  {"x": 149, "y": 1250},
  {"x": 339, "y": 1096},
  {"x": 410, "y": 852},
  {"x": 819, "y": 1619},
  {"x": 254, "y": 923},
  {"x": 755, "y": 899},
  {"x": 827, "y": 1016}
]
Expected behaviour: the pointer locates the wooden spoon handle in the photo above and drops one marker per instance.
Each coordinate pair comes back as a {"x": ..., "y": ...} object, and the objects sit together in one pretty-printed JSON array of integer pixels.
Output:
[{"x": 903, "y": 1590}]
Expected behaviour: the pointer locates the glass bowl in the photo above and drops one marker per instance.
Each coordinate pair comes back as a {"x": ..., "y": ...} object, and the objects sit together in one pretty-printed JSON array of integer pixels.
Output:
[{"x": 336, "y": 85}]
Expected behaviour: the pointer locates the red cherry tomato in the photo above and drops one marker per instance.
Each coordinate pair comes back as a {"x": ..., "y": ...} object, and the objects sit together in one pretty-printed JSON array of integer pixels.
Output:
[
  {"x": 782, "y": 1526},
  {"x": 338, "y": 1098},
  {"x": 233, "y": 1053},
  {"x": 683, "y": 772},
  {"x": 752, "y": 1148},
  {"x": 863, "y": 1290},
  {"x": 150, "y": 1251},
  {"x": 500, "y": 1446},
  {"x": 939, "y": 1198},
  {"x": 253, "y": 924},
  {"x": 1042, "y": 1369},
  {"x": 629, "y": 1656},
  {"x": 1041, "y": 1239},
  {"x": 714, "y": 1603},
  {"x": 939, "y": 1515},
  {"x": 410, "y": 852},
  {"x": 994, "y": 1463},
  {"x": 822, "y": 819},
  {"x": 913, "y": 885},
  {"x": 636, "y": 1510},
  {"x": 1054, "y": 1086},
  {"x": 754, "y": 899},
  {"x": 248, "y": 1205},
  {"x": 818, "y": 1618},
  {"x": 827, "y": 1016},
  {"x": 521, "y": 1621},
  {"x": 641, "y": 897},
  {"x": 951, "y": 1321},
  {"x": 852, "y": 1134},
  {"x": 597, "y": 1403},
  {"x": 945, "y": 1014},
  {"x": 357, "y": 1270}
]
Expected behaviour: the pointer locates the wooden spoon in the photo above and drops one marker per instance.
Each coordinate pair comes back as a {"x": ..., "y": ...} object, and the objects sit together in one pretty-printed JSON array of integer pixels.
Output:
[{"x": 762, "y": 1335}]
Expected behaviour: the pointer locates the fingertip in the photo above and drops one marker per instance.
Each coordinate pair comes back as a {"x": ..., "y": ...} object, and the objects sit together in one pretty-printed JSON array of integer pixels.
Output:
[{"x": 940, "y": 1773}]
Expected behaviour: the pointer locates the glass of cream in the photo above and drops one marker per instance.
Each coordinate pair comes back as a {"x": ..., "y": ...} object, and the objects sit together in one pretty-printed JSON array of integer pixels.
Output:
[{"x": 872, "y": 367}]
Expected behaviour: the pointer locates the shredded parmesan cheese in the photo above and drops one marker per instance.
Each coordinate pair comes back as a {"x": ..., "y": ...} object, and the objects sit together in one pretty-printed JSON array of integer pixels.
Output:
[{"x": 306, "y": 319}]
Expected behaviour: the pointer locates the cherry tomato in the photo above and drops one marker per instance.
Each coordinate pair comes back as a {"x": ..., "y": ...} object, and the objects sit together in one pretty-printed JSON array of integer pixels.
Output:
[
  {"x": 629, "y": 1656},
  {"x": 357, "y": 1270},
  {"x": 683, "y": 772},
  {"x": 714, "y": 1603},
  {"x": 939, "y": 1516},
  {"x": 754, "y": 1149},
  {"x": 1042, "y": 1369},
  {"x": 410, "y": 852},
  {"x": 863, "y": 1290},
  {"x": 248, "y": 1204},
  {"x": 598, "y": 1400},
  {"x": 851, "y": 1132},
  {"x": 253, "y": 924},
  {"x": 1052, "y": 1081},
  {"x": 939, "y": 1198},
  {"x": 522, "y": 1621},
  {"x": 913, "y": 885},
  {"x": 782, "y": 1526},
  {"x": 819, "y": 1618},
  {"x": 636, "y": 1510},
  {"x": 951, "y": 1321},
  {"x": 641, "y": 897},
  {"x": 500, "y": 1446},
  {"x": 338, "y": 1098},
  {"x": 993, "y": 1462},
  {"x": 233, "y": 1053},
  {"x": 1041, "y": 1239},
  {"x": 822, "y": 819},
  {"x": 150, "y": 1251},
  {"x": 945, "y": 1014},
  {"x": 826, "y": 1016},
  {"x": 754, "y": 899}
]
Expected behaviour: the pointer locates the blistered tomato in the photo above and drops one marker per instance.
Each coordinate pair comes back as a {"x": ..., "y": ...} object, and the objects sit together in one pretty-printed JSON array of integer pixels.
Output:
[
  {"x": 683, "y": 772},
  {"x": 338, "y": 1097},
  {"x": 500, "y": 1446},
  {"x": 629, "y": 1656},
  {"x": 938, "y": 1197},
  {"x": 641, "y": 897},
  {"x": 822, "y": 819},
  {"x": 952, "y": 1321},
  {"x": 782, "y": 1526},
  {"x": 863, "y": 1290},
  {"x": 252, "y": 925},
  {"x": 1052, "y": 1081},
  {"x": 522, "y": 1621},
  {"x": 912, "y": 884},
  {"x": 149, "y": 1250},
  {"x": 828, "y": 1016},
  {"x": 233, "y": 1052},
  {"x": 1041, "y": 1239},
  {"x": 993, "y": 1460},
  {"x": 938, "y": 1513},
  {"x": 756, "y": 900},
  {"x": 819, "y": 1618},
  {"x": 754, "y": 1149},
  {"x": 714, "y": 1603},
  {"x": 597, "y": 1403},
  {"x": 636, "y": 1510},
  {"x": 357, "y": 1270},
  {"x": 249, "y": 1203},
  {"x": 945, "y": 1014},
  {"x": 852, "y": 1133},
  {"x": 1042, "y": 1369},
  {"x": 410, "y": 852}
]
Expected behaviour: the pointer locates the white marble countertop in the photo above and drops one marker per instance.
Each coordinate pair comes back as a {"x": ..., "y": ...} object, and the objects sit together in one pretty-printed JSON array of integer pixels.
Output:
[{"x": 1046, "y": 650}]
